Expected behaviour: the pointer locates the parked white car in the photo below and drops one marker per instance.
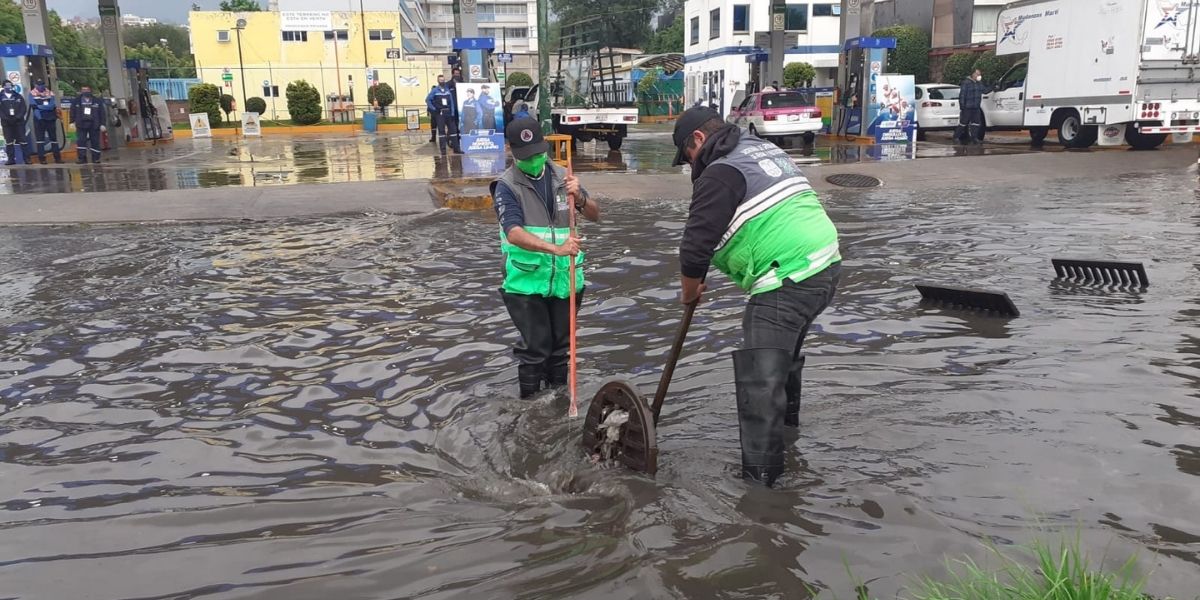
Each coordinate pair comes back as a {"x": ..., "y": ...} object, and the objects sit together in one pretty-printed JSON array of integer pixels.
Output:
[
  {"x": 778, "y": 115},
  {"x": 937, "y": 108}
]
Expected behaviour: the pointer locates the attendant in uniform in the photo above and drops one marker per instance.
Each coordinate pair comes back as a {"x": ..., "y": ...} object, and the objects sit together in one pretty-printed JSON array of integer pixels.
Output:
[
  {"x": 87, "y": 116},
  {"x": 470, "y": 112},
  {"x": 487, "y": 108},
  {"x": 533, "y": 199},
  {"x": 13, "y": 113},
  {"x": 45, "y": 121},
  {"x": 440, "y": 102}
]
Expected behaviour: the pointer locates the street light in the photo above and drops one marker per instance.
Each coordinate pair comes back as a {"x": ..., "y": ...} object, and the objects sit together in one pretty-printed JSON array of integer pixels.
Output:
[
  {"x": 163, "y": 42},
  {"x": 241, "y": 24}
]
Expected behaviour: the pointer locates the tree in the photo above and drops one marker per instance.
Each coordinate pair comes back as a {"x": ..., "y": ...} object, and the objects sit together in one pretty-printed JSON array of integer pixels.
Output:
[
  {"x": 163, "y": 63},
  {"x": 383, "y": 94},
  {"x": 227, "y": 105},
  {"x": 958, "y": 66},
  {"x": 77, "y": 63},
  {"x": 992, "y": 66},
  {"x": 622, "y": 24},
  {"x": 240, "y": 6},
  {"x": 152, "y": 35},
  {"x": 667, "y": 40},
  {"x": 256, "y": 105},
  {"x": 303, "y": 103},
  {"x": 205, "y": 98},
  {"x": 798, "y": 74},
  {"x": 518, "y": 79},
  {"x": 911, "y": 56}
]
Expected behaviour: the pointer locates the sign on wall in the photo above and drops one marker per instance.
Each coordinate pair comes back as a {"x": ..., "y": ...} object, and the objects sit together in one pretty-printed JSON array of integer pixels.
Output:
[{"x": 305, "y": 20}]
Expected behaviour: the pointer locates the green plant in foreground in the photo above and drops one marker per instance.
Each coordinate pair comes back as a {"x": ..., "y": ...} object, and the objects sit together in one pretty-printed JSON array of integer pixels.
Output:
[{"x": 1062, "y": 575}]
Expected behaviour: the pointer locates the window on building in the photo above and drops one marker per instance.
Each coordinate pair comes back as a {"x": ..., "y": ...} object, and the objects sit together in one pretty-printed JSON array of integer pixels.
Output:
[
  {"x": 379, "y": 35},
  {"x": 516, "y": 32},
  {"x": 270, "y": 91},
  {"x": 823, "y": 10},
  {"x": 797, "y": 17},
  {"x": 341, "y": 34},
  {"x": 441, "y": 34},
  {"x": 714, "y": 23},
  {"x": 695, "y": 30},
  {"x": 223, "y": 35},
  {"x": 295, "y": 36},
  {"x": 984, "y": 22},
  {"x": 741, "y": 18}
]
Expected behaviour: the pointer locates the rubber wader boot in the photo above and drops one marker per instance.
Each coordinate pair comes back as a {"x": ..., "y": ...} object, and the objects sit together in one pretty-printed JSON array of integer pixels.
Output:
[
  {"x": 557, "y": 375},
  {"x": 529, "y": 378},
  {"x": 792, "y": 417},
  {"x": 761, "y": 376}
]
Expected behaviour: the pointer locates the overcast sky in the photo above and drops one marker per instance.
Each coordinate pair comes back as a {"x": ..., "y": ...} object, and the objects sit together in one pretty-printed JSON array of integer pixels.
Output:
[{"x": 174, "y": 11}]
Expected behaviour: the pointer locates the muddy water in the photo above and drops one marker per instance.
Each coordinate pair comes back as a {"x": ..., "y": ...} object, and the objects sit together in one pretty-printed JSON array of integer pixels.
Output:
[{"x": 316, "y": 409}]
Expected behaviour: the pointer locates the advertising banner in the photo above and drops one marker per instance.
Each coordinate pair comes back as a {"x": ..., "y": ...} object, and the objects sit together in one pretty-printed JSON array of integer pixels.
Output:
[
  {"x": 896, "y": 100},
  {"x": 481, "y": 118}
]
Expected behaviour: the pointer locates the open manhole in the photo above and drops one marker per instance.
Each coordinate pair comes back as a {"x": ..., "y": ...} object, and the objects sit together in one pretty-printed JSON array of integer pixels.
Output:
[{"x": 852, "y": 180}]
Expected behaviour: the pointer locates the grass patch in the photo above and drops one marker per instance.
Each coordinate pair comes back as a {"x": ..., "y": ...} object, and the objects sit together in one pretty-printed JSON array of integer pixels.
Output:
[{"x": 1062, "y": 574}]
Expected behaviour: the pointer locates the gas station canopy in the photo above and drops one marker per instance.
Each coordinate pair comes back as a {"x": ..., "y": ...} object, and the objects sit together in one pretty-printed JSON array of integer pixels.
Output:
[{"x": 26, "y": 50}]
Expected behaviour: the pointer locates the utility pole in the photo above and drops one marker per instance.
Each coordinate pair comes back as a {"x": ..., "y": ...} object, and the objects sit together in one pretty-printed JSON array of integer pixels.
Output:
[
  {"x": 362, "y": 18},
  {"x": 543, "y": 24},
  {"x": 241, "y": 24}
]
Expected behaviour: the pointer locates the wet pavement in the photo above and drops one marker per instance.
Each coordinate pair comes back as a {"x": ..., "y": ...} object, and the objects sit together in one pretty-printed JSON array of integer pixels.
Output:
[
  {"x": 320, "y": 408},
  {"x": 285, "y": 160}
]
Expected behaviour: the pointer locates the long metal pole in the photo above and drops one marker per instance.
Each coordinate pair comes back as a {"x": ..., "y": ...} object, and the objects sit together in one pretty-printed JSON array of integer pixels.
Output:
[
  {"x": 543, "y": 22},
  {"x": 241, "y": 67},
  {"x": 362, "y": 17}
]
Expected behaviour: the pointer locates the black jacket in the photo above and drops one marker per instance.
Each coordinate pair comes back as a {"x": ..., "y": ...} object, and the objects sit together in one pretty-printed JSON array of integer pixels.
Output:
[
  {"x": 970, "y": 94},
  {"x": 13, "y": 108},
  {"x": 716, "y": 193}
]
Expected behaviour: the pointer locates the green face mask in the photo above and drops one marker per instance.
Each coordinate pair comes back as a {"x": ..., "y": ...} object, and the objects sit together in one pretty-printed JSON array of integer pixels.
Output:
[{"x": 533, "y": 165}]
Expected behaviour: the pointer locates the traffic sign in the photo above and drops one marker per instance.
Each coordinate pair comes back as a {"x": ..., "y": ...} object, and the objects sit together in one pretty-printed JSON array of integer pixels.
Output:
[
  {"x": 504, "y": 57},
  {"x": 266, "y": 83},
  {"x": 394, "y": 54},
  {"x": 226, "y": 76}
]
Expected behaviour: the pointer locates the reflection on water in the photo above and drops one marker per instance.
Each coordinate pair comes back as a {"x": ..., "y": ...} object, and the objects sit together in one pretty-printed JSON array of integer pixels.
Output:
[{"x": 325, "y": 407}]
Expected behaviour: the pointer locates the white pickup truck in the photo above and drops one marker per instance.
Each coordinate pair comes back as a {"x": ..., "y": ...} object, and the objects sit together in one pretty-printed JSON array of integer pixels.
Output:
[
  {"x": 1113, "y": 71},
  {"x": 609, "y": 125}
]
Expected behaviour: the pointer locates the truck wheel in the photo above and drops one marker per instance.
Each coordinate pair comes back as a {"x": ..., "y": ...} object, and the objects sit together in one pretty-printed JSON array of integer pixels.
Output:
[
  {"x": 1072, "y": 133},
  {"x": 1037, "y": 135},
  {"x": 1143, "y": 141},
  {"x": 920, "y": 134},
  {"x": 809, "y": 138},
  {"x": 614, "y": 142}
]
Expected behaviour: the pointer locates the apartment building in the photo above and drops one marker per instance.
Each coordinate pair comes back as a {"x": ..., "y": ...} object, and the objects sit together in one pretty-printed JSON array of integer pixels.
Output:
[{"x": 720, "y": 37}]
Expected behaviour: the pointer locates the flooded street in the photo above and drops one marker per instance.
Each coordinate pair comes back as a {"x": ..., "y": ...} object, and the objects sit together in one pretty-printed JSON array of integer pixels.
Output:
[
  {"x": 322, "y": 158},
  {"x": 325, "y": 408}
]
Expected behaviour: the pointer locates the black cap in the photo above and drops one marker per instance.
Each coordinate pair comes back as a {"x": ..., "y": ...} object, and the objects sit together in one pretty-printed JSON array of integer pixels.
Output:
[
  {"x": 688, "y": 123},
  {"x": 524, "y": 136}
]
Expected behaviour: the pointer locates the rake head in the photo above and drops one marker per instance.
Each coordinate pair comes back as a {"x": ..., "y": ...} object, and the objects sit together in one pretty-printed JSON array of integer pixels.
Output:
[
  {"x": 1102, "y": 271},
  {"x": 968, "y": 299}
]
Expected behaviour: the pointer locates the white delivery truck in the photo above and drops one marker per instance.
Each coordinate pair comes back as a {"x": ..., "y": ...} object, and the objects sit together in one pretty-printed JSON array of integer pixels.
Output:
[{"x": 1116, "y": 71}]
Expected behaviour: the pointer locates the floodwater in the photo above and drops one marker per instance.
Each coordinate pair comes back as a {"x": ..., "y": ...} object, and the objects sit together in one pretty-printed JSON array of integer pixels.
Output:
[
  {"x": 325, "y": 408},
  {"x": 289, "y": 160}
]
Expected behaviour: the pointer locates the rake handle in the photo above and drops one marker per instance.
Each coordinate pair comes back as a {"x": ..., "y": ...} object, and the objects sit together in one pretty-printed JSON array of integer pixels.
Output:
[
  {"x": 573, "y": 367},
  {"x": 673, "y": 358}
]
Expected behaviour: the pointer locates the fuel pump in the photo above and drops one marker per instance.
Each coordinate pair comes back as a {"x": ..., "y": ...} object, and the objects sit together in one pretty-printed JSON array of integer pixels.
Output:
[
  {"x": 26, "y": 64},
  {"x": 863, "y": 60},
  {"x": 474, "y": 56},
  {"x": 142, "y": 115}
]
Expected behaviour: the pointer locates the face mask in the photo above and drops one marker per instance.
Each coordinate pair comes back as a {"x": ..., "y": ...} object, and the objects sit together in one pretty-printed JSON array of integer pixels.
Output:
[
  {"x": 979, "y": 78},
  {"x": 533, "y": 165},
  {"x": 8, "y": 88},
  {"x": 41, "y": 88}
]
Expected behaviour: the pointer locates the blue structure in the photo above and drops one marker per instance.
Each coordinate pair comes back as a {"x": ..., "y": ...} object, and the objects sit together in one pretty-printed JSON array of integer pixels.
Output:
[{"x": 173, "y": 89}]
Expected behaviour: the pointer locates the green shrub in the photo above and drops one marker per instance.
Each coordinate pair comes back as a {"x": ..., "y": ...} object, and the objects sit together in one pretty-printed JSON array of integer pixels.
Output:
[
  {"x": 205, "y": 98},
  {"x": 911, "y": 56},
  {"x": 799, "y": 74},
  {"x": 992, "y": 66},
  {"x": 256, "y": 105},
  {"x": 518, "y": 79},
  {"x": 383, "y": 93},
  {"x": 303, "y": 103},
  {"x": 958, "y": 67}
]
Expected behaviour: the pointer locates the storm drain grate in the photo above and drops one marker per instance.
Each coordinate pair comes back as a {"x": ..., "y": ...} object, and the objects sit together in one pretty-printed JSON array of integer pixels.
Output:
[{"x": 851, "y": 180}]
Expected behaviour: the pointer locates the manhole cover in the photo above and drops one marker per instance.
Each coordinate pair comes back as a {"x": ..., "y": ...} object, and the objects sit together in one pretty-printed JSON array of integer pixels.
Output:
[{"x": 853, "y": 181}]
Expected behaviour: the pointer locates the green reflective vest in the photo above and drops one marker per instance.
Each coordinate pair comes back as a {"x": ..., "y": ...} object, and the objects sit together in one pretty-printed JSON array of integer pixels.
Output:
[{"x": 538, "y": 273}]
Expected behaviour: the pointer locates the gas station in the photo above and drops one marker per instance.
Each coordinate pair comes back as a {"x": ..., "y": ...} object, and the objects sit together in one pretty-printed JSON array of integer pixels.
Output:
[{"x": 133, "y": 115}]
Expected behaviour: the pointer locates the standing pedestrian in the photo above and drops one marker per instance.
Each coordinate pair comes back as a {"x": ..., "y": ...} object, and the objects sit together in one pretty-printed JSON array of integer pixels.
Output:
[
  {"x": 754, "y": 216},
  {"x": 533, "y": 200},
  {"x": 441, "y": 103},
  {"x": 487, "y": 108},
  {"x": 14, "y": 112},
  {"x": 87, "y": 116},
  {"x": 970, "y": 109},
  {"x": 45, "y": 121}
]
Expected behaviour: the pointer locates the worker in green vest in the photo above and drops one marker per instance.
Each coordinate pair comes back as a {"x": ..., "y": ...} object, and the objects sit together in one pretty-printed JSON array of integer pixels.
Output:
[
  {"x": 755, "y": 217},
  {"x": 533, "y": 200}
]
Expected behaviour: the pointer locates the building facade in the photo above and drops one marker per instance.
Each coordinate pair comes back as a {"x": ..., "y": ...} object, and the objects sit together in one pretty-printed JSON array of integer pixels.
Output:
[
  {"x": 720, "y": 35},
  {"x": 271, "y": 51},
  {"x": 513, "y": 24}
]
